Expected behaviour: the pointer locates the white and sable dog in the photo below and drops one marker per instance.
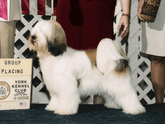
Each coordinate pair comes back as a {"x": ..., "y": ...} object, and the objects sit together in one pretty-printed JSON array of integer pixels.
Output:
[{"x": 69, "y": 74}]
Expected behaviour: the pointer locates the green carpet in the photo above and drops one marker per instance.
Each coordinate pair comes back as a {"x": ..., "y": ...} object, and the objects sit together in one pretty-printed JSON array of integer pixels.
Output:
[{"x": 87, "y": 114}]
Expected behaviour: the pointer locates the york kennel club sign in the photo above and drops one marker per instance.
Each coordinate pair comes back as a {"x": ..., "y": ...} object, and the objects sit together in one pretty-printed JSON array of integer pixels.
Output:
[{"x": 15, "y": 83}]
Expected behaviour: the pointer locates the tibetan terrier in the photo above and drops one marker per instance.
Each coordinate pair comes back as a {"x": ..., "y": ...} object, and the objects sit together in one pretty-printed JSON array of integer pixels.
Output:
[{"x": 70, "y": 74}]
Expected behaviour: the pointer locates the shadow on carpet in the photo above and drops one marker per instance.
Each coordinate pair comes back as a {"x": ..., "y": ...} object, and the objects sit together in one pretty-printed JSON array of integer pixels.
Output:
[{"x": 87, "y": 114}]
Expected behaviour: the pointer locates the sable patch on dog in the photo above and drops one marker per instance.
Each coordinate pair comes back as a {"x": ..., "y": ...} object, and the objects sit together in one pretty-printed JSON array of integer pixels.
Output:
[
  {"x": 91, "y": 54},
  {"x": 122, "y": 66}
]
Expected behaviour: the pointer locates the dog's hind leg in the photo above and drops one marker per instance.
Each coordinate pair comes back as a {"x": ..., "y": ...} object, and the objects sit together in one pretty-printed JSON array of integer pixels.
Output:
[
  {"x": 110, "y": 102},
  {"x": 130, "y": 103},
  {"x": 127, "y": 100},
  {"x": 123, "y": 93}
]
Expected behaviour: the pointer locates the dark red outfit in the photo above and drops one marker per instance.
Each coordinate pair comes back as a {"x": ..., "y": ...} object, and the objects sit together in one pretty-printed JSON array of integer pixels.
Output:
[{"x": 86, "y": 22}]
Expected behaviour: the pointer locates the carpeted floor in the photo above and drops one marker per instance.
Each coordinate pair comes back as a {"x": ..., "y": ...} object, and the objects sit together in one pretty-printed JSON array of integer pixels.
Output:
[{"x": 87, "y": 114}]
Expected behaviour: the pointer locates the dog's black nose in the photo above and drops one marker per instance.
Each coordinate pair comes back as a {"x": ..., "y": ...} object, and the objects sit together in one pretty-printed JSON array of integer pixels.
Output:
[{"x": 33, "y": 37}]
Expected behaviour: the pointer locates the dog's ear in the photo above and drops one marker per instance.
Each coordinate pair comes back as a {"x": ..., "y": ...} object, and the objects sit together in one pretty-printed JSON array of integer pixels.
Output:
[
  {"x": 57, "y": 45},
  {"x": 56, "y": 49}
]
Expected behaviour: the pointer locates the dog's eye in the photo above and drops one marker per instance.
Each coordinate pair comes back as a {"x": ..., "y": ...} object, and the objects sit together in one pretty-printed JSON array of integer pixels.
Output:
[{"x": 33, "y": 37}]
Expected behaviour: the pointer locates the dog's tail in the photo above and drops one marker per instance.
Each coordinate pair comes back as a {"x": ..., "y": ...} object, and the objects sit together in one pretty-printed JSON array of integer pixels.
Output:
[{"x": 111, "y": 57}]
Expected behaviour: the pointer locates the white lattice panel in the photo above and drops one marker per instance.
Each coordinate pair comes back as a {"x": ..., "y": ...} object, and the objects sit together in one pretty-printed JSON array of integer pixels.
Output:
[{"x": 140, "y": 66}]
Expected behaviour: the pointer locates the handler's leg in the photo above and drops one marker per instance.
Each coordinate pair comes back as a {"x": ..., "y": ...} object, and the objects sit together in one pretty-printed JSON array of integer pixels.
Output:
[{"x": 158, "y": 77}]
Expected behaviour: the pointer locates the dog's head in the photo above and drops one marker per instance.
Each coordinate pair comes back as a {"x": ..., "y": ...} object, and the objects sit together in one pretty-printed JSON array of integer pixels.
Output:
[{"x": 48, "y": 38}]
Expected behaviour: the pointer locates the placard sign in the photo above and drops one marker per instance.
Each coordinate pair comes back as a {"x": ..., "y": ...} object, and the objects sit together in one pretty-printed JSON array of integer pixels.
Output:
[{"x": 15, "y": 83}]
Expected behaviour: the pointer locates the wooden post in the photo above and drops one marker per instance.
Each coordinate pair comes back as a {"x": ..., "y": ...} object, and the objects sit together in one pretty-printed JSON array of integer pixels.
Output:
[{"x": 52, "y": 11}]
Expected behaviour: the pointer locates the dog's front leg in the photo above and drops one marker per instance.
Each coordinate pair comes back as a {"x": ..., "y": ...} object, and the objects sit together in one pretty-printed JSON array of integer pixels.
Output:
[
  {"x": 53, "y": 103},
  {"x": 68, "y": 103},
  {"x": 68, "y": 96}
]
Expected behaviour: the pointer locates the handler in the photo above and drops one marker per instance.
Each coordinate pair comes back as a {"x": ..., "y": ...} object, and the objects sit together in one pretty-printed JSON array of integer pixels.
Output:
[{"x": 153, "y": 44}]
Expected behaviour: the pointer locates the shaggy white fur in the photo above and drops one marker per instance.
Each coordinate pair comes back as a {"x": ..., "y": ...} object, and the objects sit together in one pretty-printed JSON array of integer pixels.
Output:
[{"x": 62, "y": 67}]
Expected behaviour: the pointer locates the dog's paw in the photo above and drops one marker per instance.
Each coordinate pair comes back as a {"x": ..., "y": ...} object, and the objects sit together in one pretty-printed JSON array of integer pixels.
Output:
[
  {"x": 112, "y": 105},
  {"x": 135, "y": 111},
  {"x": 50, "y": 108},
  {"x": 66, "y": 111}
]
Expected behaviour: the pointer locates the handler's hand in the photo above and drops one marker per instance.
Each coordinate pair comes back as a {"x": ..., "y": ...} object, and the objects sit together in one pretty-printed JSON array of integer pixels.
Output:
[
  {"x": 124, "y": 21},
  {"x": 141, "y": 4}
]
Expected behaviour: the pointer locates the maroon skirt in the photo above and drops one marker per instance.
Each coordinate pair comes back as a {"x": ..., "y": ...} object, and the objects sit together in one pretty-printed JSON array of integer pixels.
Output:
[{"x": 86, "y": 22}]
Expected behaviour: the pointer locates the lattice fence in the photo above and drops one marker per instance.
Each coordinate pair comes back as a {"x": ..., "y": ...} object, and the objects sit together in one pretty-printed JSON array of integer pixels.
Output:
[{"x": 140, "y": 66}]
